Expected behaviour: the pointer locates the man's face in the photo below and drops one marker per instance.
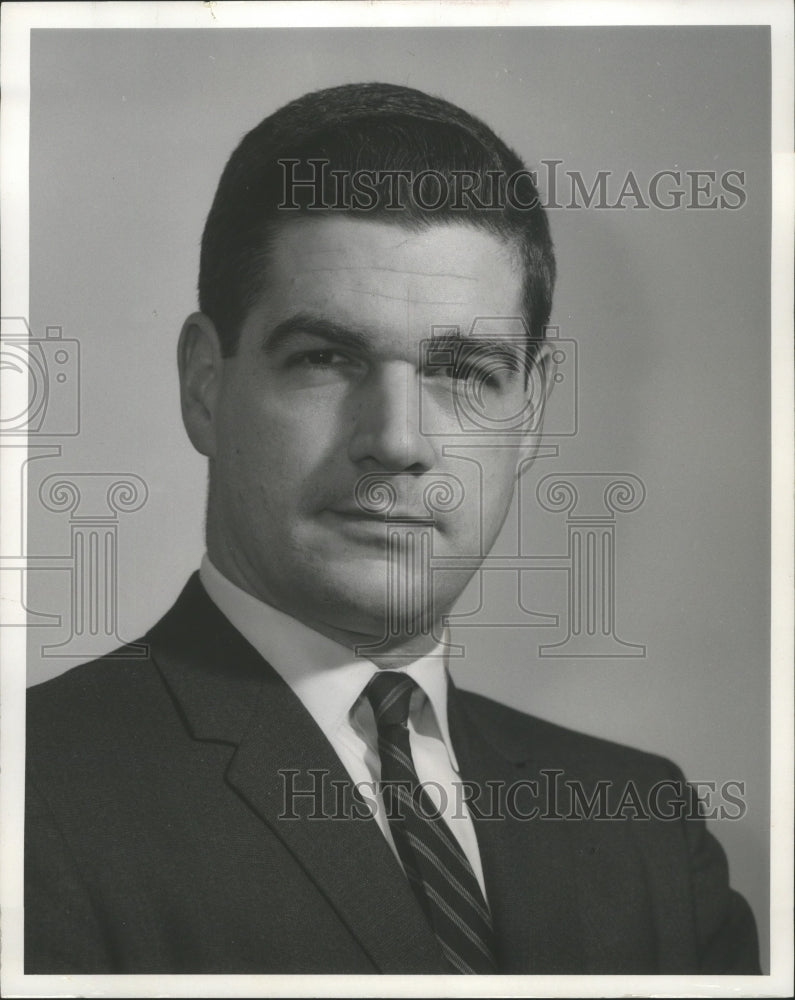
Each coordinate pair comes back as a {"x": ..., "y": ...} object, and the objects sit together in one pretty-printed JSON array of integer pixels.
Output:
[{"x": 326, "y": 387}]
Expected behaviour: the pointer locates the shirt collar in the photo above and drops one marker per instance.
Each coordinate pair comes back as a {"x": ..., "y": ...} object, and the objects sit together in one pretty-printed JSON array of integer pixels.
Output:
[{"x": 325, "y": 675}]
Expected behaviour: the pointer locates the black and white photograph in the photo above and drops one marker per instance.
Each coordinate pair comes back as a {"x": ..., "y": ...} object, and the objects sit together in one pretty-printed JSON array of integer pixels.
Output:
[{"x": 396, "y": 446}]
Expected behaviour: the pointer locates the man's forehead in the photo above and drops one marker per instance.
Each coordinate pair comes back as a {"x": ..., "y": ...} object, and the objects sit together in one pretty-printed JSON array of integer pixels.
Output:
[
  {"x": 446, "y": 250},
  {"x": 372, "y": 272}
]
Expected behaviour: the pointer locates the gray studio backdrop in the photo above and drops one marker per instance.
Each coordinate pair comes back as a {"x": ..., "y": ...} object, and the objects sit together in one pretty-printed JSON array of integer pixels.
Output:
[{"x": 668, "y": 310}]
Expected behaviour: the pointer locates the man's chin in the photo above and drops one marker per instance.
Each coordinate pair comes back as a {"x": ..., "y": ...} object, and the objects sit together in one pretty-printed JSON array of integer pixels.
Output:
[{"x": 367, "y": 609}]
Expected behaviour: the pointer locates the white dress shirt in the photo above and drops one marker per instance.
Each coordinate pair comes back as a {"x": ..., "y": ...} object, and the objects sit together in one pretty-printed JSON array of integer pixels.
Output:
[{"x": 329, "y": 679}]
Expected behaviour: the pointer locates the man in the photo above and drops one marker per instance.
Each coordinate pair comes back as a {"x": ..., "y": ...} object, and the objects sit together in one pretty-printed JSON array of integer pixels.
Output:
[{"x": 289, "y": 781}]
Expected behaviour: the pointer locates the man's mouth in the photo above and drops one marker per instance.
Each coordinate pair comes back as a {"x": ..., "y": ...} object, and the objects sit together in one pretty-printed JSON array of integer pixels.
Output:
[{"x": 356, "y": 513}]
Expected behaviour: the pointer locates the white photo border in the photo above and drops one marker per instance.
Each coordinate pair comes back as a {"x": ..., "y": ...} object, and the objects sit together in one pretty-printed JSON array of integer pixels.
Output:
[{"x": 18, "y": 19}]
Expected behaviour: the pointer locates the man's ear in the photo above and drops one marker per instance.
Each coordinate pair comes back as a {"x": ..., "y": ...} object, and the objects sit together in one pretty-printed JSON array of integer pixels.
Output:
[
  {"x": 200, "y": 371},
  {"x": 540, "y": 381}
]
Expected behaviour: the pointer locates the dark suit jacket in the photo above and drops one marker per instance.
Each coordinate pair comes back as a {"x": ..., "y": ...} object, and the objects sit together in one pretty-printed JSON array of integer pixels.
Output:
[{"x": 154, "y": 841}]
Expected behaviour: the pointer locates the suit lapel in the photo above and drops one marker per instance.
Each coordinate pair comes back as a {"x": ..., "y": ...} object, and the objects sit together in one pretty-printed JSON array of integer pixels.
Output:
[
  {"x": 347, "y": 858},
  {"x": 527, "y": 864},
  {"x": 225, "y": 691}
]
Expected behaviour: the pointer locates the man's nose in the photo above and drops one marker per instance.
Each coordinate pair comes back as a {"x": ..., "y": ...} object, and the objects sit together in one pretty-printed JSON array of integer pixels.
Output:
[{"x": 387, "y": 423}]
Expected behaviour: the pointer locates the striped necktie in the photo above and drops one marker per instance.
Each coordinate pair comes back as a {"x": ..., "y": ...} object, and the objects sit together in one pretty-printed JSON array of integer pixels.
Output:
[{"x": 437, "y": 868}]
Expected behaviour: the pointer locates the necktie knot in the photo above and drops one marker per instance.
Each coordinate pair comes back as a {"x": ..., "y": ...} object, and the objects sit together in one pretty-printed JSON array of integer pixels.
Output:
[{"x": 389, "y": 694}]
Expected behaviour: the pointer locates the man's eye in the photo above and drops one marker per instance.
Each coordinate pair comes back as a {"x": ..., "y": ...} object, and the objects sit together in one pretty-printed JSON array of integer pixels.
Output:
[
  {"x": 477, "y": 369},
  {"x": 463, "y": 373},
  {"x": 483, "y": 373},
  {"x": 320, "y": 358}
]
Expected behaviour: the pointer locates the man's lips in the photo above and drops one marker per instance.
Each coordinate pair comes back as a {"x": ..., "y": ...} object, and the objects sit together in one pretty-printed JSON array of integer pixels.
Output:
[{"x": 360, "y": 514}]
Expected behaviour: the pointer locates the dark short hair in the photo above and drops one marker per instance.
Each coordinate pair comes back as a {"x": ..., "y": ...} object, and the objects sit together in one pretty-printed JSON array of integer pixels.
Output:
[{"x": 375, "y": 127}]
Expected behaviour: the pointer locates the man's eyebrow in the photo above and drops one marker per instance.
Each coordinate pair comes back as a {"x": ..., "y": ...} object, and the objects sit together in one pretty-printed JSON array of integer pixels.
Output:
[
  {"x": 316, "y": 326},
  {"x": 521, "y": 349},
  {"x": 452, "y": 337}
]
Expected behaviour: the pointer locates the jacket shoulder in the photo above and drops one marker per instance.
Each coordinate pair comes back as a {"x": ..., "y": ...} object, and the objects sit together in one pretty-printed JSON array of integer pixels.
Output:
[
  {"x": 106, "y": 677},
  {"x": 550, "y": 744},
  {"x": 124, "y": 684},
  {"x": 99, "y": 710}
]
